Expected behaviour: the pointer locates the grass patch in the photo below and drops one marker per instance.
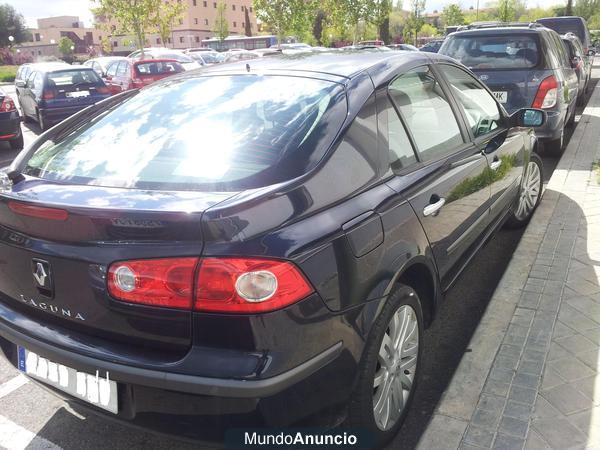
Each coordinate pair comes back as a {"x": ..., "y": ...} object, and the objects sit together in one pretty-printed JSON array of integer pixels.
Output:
[
  {"x": 8, "y": 73},
  {"x": 596, "y": 170}
]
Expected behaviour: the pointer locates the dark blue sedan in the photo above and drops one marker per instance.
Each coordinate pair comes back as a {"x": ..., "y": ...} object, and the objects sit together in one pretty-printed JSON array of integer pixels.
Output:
[
  {"x": 257, "y": 244},
  {"x": 53, "y": 93}
]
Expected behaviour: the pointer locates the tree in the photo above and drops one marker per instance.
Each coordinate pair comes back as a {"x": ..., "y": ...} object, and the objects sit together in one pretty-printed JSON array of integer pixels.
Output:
[
  {"x": 12, "y": 24},
  {"x": 507, "y": 10},
  {"x": 594, "y": 22},
  {"x": 533, "y": 14},
  {"x": 415, "y": 21},
  {"x": 221, "y": 28},
  {"x": 587, "y": 8},
  {"x": 381, "y": 19},
  {"x": 286, "y": 16},
  {"x": 569, "y": 8},
  {"x": 317, "y": 30},
  {"x": 453, "y": 15},
  {"x": 247, "y": 23},
  {"x": 66, "y": 47},
  {"x": 133, "y": 17},
  {"x": 165, "y": 15},
  {"x": 428, "y": 31}
]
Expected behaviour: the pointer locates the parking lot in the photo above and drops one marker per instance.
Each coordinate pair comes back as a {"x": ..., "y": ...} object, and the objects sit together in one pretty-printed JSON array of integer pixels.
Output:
[{"x": 30, "y": 417}]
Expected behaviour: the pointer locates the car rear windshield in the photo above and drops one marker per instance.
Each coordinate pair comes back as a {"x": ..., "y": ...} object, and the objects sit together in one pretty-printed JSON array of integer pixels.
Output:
[
  {"x": 67, "y": 78},
  {"x": 158, "y": 68},
  {"x": 176, "y": 56},
  {"x": 207, "y": 133},
  {"x": 495, "y": 52}
]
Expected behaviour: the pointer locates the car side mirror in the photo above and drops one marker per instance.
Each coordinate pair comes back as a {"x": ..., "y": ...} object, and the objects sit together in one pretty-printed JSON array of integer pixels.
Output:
[
  {"x": 20, "y": 83},
  {"x": 591, "y": 53},
  {"x": 528, "y": 118}
]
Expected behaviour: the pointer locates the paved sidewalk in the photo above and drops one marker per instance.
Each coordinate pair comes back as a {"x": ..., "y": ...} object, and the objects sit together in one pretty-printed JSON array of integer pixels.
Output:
[{"x": 531, "y": 377}]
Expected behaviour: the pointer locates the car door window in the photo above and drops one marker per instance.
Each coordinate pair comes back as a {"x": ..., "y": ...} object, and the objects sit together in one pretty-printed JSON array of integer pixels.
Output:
[
  {"x": 480, "y": 107},
  {"x": 427, "y": 113},
  {"x": 401, "y": 152},
  {"x": 38, "y": 83},
  {"x": 122, "y": 69},
  {"x": 112, "y": 70}
]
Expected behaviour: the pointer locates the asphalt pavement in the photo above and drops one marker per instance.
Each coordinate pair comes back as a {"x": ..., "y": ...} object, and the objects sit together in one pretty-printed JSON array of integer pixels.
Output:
[{"x": 33, "y": 418}]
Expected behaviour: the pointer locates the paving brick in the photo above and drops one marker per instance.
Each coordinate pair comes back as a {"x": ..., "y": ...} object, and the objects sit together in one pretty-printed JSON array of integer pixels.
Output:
[
  {"x": 516, "y": 410},
  {"x": 559, "y": 433},
  {"x": 566, "y": 398},
  {"x": 531, "y": 367},
  {"x": 526, "y": 380},
  {"x": 509, "y": 350},
  {"x": 478, "y": 436},
  {"x": 496, "y": 388},
  {"x": 535, "y": 442},
  {"x": 501, "y": 375},
  {"x": 491, "y": 402},
  {"x": 576, "y": 344},
  {"x": 570, "y": 368},
  {"x": 523, "y": 395},
  {"x": 486, "y": 419},
  {"x": 550, "y": 379},
  {"x": 504, "y": 442},
  {"x": 533, "y": 355}
]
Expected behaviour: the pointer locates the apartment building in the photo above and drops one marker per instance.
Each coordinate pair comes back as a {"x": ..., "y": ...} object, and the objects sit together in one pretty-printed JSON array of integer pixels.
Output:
[
  {"x": 49, "y": 31},
  {"x": 197, "y": 23}
]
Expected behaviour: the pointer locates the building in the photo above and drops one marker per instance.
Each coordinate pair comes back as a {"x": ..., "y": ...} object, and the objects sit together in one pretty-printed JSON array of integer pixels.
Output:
[
  {"x": 196, "y": 24},
  {"x": 45, "y": 38}
]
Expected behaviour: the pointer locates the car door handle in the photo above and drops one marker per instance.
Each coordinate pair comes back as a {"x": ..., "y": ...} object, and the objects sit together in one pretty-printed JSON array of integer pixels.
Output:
[
  {"x": 433, "y": 208},
  {"x": 495, "y": 165}
]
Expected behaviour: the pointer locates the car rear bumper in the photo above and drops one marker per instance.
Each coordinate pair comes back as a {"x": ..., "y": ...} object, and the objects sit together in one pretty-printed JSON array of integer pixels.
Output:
[
  {"x": 552, "y": 128},
  {"x": 10, "y": 128},
  {"x": 53, "y": 115}
]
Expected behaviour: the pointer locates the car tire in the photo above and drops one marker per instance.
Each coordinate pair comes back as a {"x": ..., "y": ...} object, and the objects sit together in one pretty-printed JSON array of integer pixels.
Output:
[
  {"x": 530, "y": 194},
  {"x": 18, "y": 143},
  {"x": 556, "y": 147},
  {"x": 370, "y": 401}
]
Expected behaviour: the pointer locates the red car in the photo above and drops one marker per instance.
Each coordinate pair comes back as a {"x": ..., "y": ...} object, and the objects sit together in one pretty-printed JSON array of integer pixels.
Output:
[{"x": 128, "y": 74}]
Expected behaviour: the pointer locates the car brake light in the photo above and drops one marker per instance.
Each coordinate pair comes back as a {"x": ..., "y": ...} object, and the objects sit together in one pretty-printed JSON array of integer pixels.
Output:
[
  {"x": 547, "y": 93},
  {"x": 248, "y": 285},
  {"x": 40, "y": 212},
  {"x": 48, "y": 95},
  {"x": 226, "y": 285},
  {"x": 165, "y": 282},
  {"x": 7, "y": 105}
]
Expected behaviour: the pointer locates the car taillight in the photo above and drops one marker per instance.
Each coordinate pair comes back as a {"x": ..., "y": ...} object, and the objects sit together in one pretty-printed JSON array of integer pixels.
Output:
[
  {"x": 40, "y": 212},
  {"x": 7, "y": 105},
  {"x": 48, "y": 94},
  {"x": 547, "y": 93},
  {"x": 165, "y": 282},
  {"x": 248, "y": 285},
  {"x": 226, "y": 285}
]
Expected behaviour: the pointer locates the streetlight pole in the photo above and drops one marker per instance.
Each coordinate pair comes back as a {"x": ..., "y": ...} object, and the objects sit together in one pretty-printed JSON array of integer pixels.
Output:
[{"x": 477, "y": 12}]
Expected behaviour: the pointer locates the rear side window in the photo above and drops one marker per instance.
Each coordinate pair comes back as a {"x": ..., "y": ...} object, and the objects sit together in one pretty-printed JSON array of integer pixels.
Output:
[
  {"x": 209, "y": 133},
  {"x": 502, "y": 51},
  {"x": 122, "y": 69},
  {"x": 112, "y": 69},
  {"x": 158, "y": 68},
  {"x": 427, "y": 113},
  {"x": 72, "y": 78}
]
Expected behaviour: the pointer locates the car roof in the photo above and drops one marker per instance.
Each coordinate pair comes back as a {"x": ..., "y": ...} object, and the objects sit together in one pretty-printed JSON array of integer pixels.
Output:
[
  {"x": 341, "y": 64},
  {"x": 67, "y": 68},
  {"x": 500, "y": 30}
]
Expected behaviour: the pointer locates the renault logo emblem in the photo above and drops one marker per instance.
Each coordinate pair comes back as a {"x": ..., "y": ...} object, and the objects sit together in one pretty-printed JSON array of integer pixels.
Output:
[{"x": 42, "y": 276}]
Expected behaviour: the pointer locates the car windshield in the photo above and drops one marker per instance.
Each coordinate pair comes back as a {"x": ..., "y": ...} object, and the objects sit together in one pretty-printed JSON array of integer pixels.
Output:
[
  {"x": 158, "y": 67},
  {"x": 209, "y": 133},
  {"x": 494, "y": 52},
  {"x": 73, "y": 77}
]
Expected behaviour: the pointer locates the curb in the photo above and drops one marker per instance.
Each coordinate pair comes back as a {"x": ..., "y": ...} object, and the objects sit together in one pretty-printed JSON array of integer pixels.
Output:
[{"x": 459, "y": 401}]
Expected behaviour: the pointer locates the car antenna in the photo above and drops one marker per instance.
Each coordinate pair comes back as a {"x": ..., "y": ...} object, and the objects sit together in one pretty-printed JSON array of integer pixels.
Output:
[{"x": 247, "y": 67}]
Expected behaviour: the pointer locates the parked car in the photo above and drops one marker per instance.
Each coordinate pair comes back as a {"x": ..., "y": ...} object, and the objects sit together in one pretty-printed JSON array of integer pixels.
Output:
[
  {"x": 180, "y": 279},
  {"x": 198, "y": 49},
  {"x": 130, "y": 74},
  {"x": 166, "y": 53},
  {"x": 100, "y": 64},
  {"x": 525, "y": 66},
  {"x": 10, "y": 122},
  {"x": 207, "y": 58},
  {"x": 570, "y": 24},
  {"x": 239, "y": 55},
  {"x": 53, "y": 93},
  {"x": 407, "y": 47},
  {"x": 580, "y": 63},
  {"x": 432, "y": 46},
  {"x": 24, "y": 70}
]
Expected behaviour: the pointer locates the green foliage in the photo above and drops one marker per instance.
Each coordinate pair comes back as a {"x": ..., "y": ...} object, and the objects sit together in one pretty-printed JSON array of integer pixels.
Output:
[
  {"x": 532, "y": 14},
  {"x": 221, "y": 28},
  {"x": 415, "y": 21},
  {"x": 134, "y": 17},
  {"x": 284, "y": 17},
  {"x": 453, "y": 15},
  {"x": 66, "y": 46},
  {"x": 12, "y": 24},
  {"x": 8, "y": 73},
  {"x": 507, "y": 10},
  {"x": 166, "y": 14},
  {"x": 594, "y": 22},
  {"x": 381, "y": 19},
  {"x": 587, "y": 8},
  {"x": 428, "y": 31}
]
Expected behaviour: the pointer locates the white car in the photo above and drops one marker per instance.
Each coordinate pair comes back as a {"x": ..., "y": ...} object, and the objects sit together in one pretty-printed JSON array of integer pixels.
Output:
[{"x": 166, "y": 53}]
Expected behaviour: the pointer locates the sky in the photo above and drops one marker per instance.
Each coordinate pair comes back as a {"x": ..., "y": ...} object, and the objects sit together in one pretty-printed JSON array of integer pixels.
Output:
[{"x": 33, "y": 9}]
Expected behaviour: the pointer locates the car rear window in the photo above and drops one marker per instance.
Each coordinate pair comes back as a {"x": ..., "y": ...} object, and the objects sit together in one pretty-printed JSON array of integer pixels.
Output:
[
  {"x": 495, "y": 51},
  {"x": 158, "y": 68},
  {"x": 66, "y": 78},
  {"x": 176, "y": 56},
  {"x": 207, "y": 133},
  {"x": 564, "y": 26}
]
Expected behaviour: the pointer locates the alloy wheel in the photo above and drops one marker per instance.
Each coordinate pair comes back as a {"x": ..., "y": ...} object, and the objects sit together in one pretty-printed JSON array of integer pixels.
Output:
[
  {"x": 396, "y": 367},
  {"x": 530, "y": 193}
]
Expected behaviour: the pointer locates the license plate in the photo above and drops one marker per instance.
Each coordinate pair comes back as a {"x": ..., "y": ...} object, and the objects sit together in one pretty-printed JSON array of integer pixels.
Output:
[
  {"x": 93, "y": 389},
  {"x": 501, "y": 96},
  {"x": 77, "y": 94}
]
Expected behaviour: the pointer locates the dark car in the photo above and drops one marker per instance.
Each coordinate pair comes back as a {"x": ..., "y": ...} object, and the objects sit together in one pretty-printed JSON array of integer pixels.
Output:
[
  {"x": 24, "y": 70},
  {"x": 52, "y": 94},
  {"x": 130, "y": 74},
  {"x": 218, "y": 250},
  {"x": 524, "y": 65},
  {"x": 432, "y": 46},
  {"x": 570, "y": 24},
  {"x": 10, "y": 122},
  {"x": 580, "y": 63}
]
